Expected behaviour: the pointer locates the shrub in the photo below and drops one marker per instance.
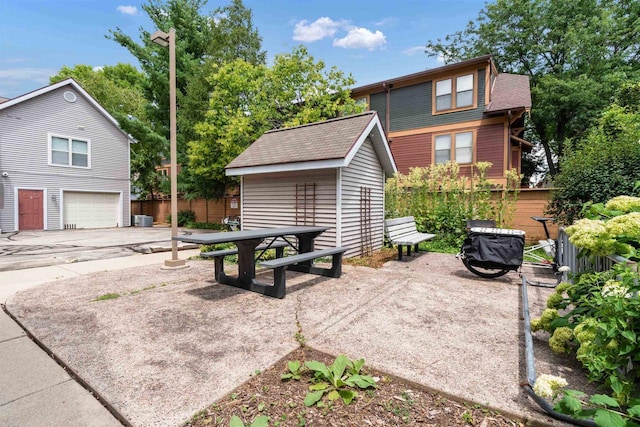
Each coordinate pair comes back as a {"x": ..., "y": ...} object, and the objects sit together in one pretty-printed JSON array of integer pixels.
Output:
[{"x": 184, "y": 217}]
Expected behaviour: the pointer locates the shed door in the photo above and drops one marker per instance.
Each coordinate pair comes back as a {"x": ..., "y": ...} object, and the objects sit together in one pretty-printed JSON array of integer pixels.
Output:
[
  {"x": 30, "y": 210},
  {"x": 90, "y": 210}
]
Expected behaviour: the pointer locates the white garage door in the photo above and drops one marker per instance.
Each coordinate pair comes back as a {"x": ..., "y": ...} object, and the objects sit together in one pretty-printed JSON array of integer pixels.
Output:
[{"x": 91, "y": 210}]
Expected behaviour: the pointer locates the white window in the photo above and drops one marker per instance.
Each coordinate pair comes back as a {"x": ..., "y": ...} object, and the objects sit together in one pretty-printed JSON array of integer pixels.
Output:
[
  {"x": 443, "y": 95},
  {"x": 464, "y": 91},
  {"x": 68, "y": 152},
  {"x": 457, "y": 147},
  {"x": 461, "y": 86}
]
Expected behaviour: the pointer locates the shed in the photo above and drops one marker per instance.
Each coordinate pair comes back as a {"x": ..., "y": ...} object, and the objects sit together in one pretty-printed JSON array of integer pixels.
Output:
[{"x": 329, "y": 173}]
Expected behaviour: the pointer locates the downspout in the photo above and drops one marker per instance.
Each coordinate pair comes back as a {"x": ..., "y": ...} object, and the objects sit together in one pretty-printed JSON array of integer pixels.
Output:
[{"x": 387, "y": 118}]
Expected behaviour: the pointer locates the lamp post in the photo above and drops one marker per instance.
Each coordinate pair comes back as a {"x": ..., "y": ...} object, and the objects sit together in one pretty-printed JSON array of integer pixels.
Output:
[{"x": 164, "y": 40}]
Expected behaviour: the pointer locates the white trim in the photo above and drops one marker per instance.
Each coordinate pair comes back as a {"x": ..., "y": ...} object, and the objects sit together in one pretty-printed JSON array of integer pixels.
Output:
[
  {"x": 70, "y": 139},
  {"x": 242, "y": 202},
  {"x": 374, "y": 124},
  {"x": 286, "y": 167},
  {"x": 16, "y": 207},
  {"x": 338, "y": 206},
  {"x": 70, "y": 190},
  {"x": 58, "y": 85}
]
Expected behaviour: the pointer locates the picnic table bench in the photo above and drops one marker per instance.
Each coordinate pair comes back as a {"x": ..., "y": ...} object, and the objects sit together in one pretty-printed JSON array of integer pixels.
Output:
[
  {"x": 303, "y": 262},
  {"x": 403, "y": 232}
]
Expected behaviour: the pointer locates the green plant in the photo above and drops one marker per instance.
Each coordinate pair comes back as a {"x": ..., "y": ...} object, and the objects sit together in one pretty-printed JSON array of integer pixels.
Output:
[
  {"x": 184, "y": 217},
  {"x": 261, "y": 421},
  {"x": 605, "y": 410},
  {"x": 107, "y": 297},
  {"x": 336, "y": 381},
  {"x": 467, "y": 416},
  {"x": 206, "y": 225},
  {"x": 295, "y": 371}
]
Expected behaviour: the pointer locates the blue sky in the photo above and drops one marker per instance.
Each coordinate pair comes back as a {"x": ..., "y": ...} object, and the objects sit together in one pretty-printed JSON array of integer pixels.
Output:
[{"x": 373, "y": 40}]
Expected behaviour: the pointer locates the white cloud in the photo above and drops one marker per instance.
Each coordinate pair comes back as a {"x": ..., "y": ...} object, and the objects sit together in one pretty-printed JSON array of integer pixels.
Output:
[
  {"x": 127, "y": 10},
  {"x": 413, "y": 50},
  {"x": 317, "y": 30},
  {"x": 98, "y": 68},
  {"x": 361, "y": 38}
]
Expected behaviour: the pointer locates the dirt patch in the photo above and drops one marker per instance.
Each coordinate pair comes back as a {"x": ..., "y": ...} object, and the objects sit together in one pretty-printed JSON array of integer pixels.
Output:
[{"x": 393, "y": 402}]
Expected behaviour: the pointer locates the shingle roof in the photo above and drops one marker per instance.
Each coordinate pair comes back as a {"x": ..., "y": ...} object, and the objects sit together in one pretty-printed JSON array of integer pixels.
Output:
[
  {"x": 510, "y": 92},
  {"x": 328, "y": 140}
]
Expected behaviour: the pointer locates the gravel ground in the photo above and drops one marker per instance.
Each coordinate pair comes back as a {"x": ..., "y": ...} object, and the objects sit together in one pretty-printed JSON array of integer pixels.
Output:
[{"x": 173, "y": 342}]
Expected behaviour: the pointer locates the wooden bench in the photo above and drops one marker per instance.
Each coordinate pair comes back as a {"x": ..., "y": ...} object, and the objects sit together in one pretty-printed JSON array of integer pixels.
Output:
[
  {"x": 303, "y": 263},
  {"x": 403, "y": 232},
  {"x": 218, "y": 256}
]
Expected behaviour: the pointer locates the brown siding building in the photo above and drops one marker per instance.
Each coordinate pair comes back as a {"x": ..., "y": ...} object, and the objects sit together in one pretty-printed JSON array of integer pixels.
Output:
[{"x": 464, "y": 113}]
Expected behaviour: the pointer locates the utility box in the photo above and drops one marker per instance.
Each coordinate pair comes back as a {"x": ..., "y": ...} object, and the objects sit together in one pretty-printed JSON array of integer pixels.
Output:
[{"x": 143, "y": 221}]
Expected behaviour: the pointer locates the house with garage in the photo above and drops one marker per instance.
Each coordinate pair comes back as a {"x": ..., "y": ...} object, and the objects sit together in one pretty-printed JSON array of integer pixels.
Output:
[
  {"x": 64, "y": 162},
  {"x": 329, "y": 173},
  {"x": 465, "y": 113}
]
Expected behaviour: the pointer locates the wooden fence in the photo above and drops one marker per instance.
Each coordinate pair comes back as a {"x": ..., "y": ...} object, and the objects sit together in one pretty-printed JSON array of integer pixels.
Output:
[{"x": 531, "y": 202}]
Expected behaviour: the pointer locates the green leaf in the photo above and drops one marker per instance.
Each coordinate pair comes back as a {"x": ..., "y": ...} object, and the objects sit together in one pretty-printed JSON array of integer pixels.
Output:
[
  {"x": 362, "y": 381},
  {"x": 320, "y": 367},
  {"x": 347, "y": 395},
  {"x": 630, "y": 335},
  {"x": 634, "y": 411},
  {"x": 311, "y": 398},
  {"x": 339, "y": 365},
  {"x": 333, "y": 395},
  {"x": 261, "y": 421},
  {"x": 604, "y": 400},
  {"x": 294, "y": 366},
  {"x": 236, "y": 422},
  {"x": 284, "y": 377},
  {"x": 606, "y": 418},
  {"x": 571, "y": 404},
  {"x": 319, "y": 386},
  {"x": 356, "y": 366}
]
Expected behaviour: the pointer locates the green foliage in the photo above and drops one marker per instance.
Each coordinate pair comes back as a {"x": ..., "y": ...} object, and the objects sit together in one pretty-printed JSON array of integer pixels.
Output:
[
  {"x": 107, "y": 297},
  {"x": 206, "y": 225},
  {"x": 184, "y": 217},
  {"x": 337, "y": 381},
  {"x": 605, "y": 165},
  {"x": 441, "y": 200},
  {"x": 247, "y": 99},
  {"x": 575, "y": 52},
  {"x": 260, "y": 421}
]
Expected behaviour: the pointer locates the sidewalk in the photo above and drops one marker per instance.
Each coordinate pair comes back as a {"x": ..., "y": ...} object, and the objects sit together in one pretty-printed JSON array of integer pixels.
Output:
[{"x": 35, "y": 390}]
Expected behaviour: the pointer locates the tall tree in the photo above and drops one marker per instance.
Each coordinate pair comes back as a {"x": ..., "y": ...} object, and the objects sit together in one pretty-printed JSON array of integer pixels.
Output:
[
  {"x": 119, "y": 90},
  {"x": 200, "y": 39},
  {"x": 576, "y": 53},
  {"x": 249, "y": 99}
]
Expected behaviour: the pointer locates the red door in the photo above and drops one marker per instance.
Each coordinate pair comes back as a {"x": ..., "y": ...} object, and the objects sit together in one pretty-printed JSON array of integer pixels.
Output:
[{"x": 30, "y": 210}]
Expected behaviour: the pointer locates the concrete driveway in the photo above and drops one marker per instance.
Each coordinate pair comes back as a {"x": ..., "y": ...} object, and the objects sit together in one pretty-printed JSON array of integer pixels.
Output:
[{"x": 29, "y": 249}]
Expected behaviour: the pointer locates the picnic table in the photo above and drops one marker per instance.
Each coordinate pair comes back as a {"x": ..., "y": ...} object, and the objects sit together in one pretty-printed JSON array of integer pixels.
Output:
[{"x": 248, "y": 240}]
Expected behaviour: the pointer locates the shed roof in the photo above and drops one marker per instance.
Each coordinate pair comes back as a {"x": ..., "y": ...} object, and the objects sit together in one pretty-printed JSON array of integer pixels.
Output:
[
  {"x": 510, "y": 92},
  {"x": 328, "y": 144}
]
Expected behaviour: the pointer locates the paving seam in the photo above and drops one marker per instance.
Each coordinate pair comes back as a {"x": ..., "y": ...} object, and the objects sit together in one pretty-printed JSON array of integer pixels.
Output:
[
  {"x": 71, "y": 372},
  {"x": 36, "y": 392},
  {"x": 11, "y": 339}
]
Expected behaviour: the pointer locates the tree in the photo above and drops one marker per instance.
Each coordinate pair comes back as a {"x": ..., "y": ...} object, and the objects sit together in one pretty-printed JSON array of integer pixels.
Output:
[
  {"x": 118, "y": 89},
  {"x": 576, "y": 53},
  {"x": 200, "y": 39},
  {"x": 249, "y": 99},
  {"x": 607, "y": 163}
]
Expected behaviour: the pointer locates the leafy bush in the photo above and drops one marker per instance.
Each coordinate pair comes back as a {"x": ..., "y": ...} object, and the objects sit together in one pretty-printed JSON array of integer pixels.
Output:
[
  {"x": 184, "y": 217},
  {"x": 206, "y": 225},
  {"x": 599, "y": 167},
  {"x": 441, "y": 200}
]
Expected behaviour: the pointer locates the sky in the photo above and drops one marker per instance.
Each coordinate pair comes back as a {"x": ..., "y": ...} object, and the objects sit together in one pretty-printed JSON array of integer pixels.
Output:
[{"x": 372, "y": 40}]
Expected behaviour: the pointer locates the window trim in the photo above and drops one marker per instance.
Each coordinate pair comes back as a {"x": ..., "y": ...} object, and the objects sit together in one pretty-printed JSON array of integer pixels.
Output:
[
  {"x": 69, "y": 139},
  {"x": 454, "y": 93},
  {"x": 473, "y": 133}
]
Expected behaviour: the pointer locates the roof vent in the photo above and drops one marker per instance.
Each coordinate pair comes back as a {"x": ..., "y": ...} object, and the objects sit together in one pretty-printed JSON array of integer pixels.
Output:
[{"x": 69, "y": 96}]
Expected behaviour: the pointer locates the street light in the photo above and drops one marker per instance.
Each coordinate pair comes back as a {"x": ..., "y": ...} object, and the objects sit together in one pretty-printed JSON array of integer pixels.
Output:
[{"x": 164, "y": 40}]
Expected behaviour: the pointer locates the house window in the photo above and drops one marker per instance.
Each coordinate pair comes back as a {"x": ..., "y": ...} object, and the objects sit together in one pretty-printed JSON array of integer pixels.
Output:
[
  {"x": 69, "y": 152},
  {"x": 456, "y": 147},
  {"x": 461, "y": 87},
  {"x": 362, "y": 101}
]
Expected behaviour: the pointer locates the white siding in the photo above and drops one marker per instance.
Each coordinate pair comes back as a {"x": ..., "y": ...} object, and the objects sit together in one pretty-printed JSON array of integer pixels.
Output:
[
  {"x": 24, "y": 153},
  {"x": 269, "y": 200},
  {"x": 363, "y": 171}
]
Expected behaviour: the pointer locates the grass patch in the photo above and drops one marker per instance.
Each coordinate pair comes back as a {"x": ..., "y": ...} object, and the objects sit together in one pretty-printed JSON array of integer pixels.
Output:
[{"x": 106, "y": 297}]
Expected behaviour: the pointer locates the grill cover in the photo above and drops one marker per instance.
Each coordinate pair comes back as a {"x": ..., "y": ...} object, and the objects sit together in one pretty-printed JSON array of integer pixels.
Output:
[{"x": 494, "y": 248}]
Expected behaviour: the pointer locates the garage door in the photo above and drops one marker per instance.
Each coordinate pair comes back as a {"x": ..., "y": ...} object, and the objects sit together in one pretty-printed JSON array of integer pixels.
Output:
[{"x": 90, "y": 210}]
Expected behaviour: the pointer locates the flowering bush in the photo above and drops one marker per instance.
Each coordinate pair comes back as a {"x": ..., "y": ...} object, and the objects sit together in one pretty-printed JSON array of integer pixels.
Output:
[
  {"x": 624, "y": 204},
  {"x": 548, "y": 386}
]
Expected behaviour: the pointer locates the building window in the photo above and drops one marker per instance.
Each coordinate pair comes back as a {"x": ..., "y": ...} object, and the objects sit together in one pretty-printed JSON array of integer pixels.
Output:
[
  {"x": 69, "y": 152},
  {"x": 362, "y": 101},
  {"x": 461, "y": 86},
  {"x": 456, "y": 147}
]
